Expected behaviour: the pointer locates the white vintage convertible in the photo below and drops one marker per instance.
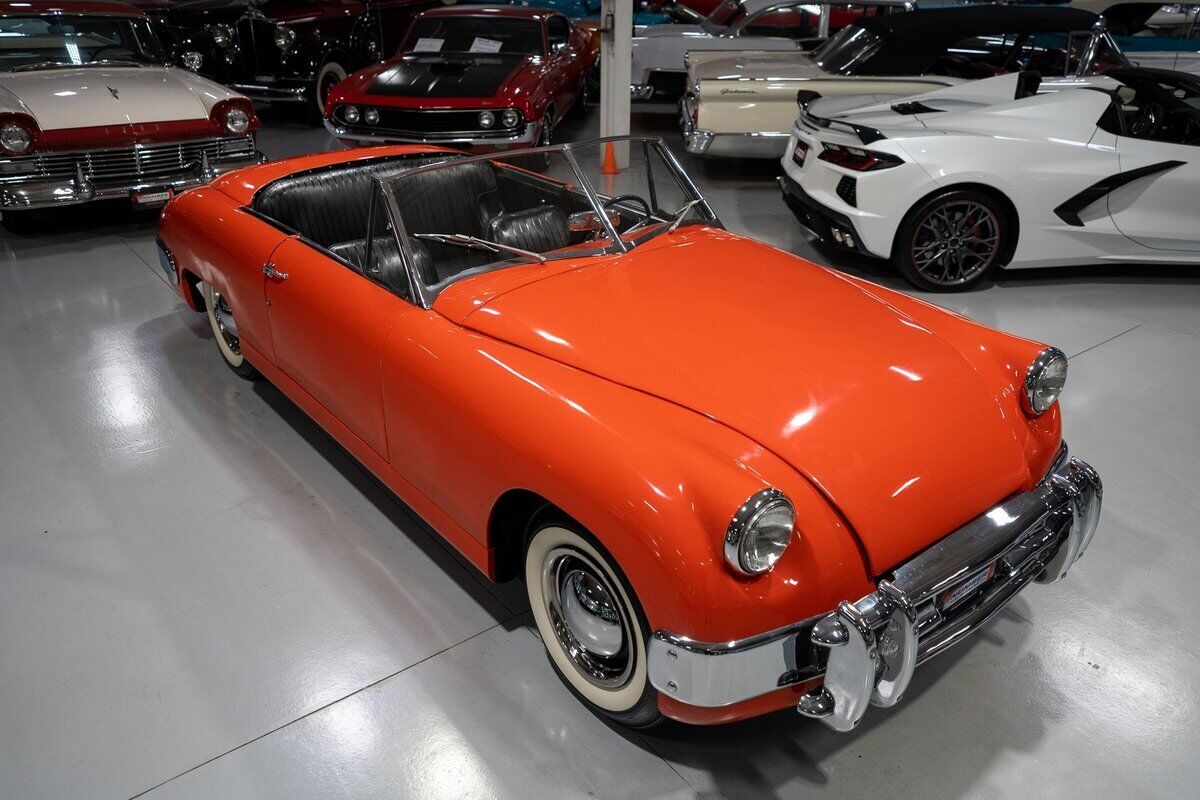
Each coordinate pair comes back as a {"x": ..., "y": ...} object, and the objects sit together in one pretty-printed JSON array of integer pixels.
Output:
[
  {"x": 660, "y": 51},
  {"x": 744, "y": 104},
  {"x": 90, "y": 110}
]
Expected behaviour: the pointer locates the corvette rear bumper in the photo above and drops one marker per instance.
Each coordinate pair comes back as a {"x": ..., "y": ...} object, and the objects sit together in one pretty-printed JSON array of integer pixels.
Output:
[{"x": 866, "y": 650}]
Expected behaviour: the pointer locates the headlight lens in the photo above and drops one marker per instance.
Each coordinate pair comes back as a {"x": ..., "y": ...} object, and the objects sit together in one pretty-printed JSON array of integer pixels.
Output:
[
  {"x": 15, "y": 139},
  {"x": 351, "y": 114},
  {"x": 221, "y": 35},
  {"x": 371, "y": 116},
  {"x": 487, "y": 120},
  {"x": 237, "y": 120},
  {"x": 285, "y": 37},
  {"x": 760, "y": 532},
  {"x": 1044, "y": 380},
  {"x": 192, "y": 60},
  {"x": 510, "y": 118}
]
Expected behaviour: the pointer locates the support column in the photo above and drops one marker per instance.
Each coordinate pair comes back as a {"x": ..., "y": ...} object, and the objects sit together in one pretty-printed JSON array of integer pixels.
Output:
[{"x": 616, "y": 54}]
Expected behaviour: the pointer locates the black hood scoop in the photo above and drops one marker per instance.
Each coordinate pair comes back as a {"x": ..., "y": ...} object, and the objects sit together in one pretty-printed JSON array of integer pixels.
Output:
[{"x": 446, "y": 76}]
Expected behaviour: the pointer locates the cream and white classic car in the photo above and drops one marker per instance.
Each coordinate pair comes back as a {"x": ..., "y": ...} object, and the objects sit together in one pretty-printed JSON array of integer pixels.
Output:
[
  {"x": 744, "y": 104},
  {"x": 659, "y": 51},
  {"x": 89, "y": 110}
]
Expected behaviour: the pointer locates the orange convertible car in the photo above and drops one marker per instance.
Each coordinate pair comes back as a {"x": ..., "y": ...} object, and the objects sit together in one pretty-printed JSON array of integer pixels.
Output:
[{"x": 733, "y": 481}]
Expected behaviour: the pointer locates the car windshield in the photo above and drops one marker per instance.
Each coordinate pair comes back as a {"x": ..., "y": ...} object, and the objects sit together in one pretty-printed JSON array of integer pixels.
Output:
[
  {"x": 49, "y": 42},
  {"x": 482, "y": 34},
  {"x": 846, "y": 50},
  {"x": 468, "y": 216}
]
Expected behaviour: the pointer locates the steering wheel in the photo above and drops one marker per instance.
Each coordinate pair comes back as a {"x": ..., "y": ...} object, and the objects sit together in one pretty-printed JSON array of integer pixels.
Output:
[
  {"x": 647, "y": 214},
  {"x": 1148, "y": 122}
]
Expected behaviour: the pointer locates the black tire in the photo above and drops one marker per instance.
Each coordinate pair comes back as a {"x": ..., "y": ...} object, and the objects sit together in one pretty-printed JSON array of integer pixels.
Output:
[
  {"x": 220, "y": 318},
  {"x": 952, "y": 241},
  {"x": 583, "y": 103},
  {"x": 558, "y": 555},
  {"x": 21, "y": 223}
]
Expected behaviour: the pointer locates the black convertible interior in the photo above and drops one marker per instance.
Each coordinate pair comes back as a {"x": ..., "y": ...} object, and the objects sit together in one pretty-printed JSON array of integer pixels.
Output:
[{"x": 493, "y": 201}]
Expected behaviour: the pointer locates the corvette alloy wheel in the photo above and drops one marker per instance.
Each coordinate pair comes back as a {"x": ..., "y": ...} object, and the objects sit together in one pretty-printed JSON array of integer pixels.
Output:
[
  {"x": 589, "y": 624},
  {"x": 956, "y": 242},
  {"x": 225, "y": 332}
]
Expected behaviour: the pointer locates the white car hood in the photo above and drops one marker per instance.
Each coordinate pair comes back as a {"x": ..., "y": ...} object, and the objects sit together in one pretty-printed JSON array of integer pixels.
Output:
[
  {"x": 84, "y": 97},
  {"x": 784, "y": 65},
  {"x": 672, "y": 29}
]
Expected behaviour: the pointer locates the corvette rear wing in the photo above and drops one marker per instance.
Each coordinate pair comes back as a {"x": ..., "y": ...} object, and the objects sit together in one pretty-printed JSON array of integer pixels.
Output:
[{"x": 865, "y": 134}]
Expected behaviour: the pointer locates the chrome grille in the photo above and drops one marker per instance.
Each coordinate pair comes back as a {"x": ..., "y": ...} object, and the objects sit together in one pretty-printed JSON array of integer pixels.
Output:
[{"x": 123, "y": 164}]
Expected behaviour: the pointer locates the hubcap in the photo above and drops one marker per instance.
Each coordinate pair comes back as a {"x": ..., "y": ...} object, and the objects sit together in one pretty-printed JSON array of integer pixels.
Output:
[
  {"x": 590, "y": 624},
  {"x": 225, "y": 322},
  {"x": 955, "y": 242}
]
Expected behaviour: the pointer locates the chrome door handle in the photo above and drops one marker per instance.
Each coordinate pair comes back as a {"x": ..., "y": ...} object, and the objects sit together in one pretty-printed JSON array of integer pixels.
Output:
[{"x": 270, "y": 271}]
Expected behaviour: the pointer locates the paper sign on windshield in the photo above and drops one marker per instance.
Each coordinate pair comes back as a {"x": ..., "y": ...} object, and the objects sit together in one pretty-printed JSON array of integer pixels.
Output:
[
  {"x": 427, "y": 45},
  {"x": 482, "y": 45}
]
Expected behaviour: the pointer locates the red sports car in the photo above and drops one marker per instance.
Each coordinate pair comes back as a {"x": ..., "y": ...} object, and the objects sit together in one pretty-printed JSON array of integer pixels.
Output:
[
  {"x": 733, "y": 481},
  {"x": 477, "y": 78}
]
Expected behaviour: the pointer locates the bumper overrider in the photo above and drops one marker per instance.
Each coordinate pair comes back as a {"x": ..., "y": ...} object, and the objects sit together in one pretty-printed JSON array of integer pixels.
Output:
[
  {"x": 866, "y": 650},
  {"x": 47, "y": 180}
]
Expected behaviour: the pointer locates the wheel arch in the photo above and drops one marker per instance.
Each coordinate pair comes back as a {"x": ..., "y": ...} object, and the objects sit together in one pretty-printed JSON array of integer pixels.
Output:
[{"x": 1013, "y": 217}]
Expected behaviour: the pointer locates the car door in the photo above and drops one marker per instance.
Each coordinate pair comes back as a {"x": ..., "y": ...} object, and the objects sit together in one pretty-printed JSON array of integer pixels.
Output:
[
  {"x": 1157, "y": 202},
  {"x": 329, "y": 323}
]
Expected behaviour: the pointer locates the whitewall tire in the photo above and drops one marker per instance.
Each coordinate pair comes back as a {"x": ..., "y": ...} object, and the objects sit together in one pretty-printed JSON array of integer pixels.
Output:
[
  {"x": 330, "y": 75},
  {"x": 590, "y": 623},
  {"x": 225, "y": 332}
]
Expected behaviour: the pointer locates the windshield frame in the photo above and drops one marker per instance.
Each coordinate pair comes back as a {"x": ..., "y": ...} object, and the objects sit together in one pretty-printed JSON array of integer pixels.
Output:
[
  {"x": 156, "y": 59},
  {"x": 425, "y": 296}
]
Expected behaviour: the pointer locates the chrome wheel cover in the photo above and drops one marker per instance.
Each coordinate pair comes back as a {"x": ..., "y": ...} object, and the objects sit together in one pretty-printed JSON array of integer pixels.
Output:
[
  {"x": 226, "y": 325},
  {"x": 955, "y": 242},
  {"x": 590, "y": 622}
]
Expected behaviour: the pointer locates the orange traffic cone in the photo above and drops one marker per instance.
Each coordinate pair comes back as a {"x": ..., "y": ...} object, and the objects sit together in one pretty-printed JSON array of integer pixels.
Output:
[{"x": 610, "y": 160}]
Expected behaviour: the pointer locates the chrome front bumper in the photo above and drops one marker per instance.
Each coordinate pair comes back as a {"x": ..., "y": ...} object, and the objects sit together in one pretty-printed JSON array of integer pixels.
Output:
[
  {"x": 759, "y": 144},
  {"x": 35, "y": 193},
  {"x": 526, "y": 137},
  {"x": 867, "y": 650}
]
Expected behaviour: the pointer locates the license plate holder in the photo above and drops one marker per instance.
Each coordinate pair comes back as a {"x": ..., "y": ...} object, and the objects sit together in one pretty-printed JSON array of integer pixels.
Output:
[
  {"x": 964, "y": 591},
  {"x": 152, "y": 197},
  {"x": 799, "y": 153}
]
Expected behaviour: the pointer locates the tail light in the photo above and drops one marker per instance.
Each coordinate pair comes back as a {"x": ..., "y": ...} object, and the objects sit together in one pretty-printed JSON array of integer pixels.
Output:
[
  {"x": 234, "y": 116},
  {"x": 856, "y": 158}
]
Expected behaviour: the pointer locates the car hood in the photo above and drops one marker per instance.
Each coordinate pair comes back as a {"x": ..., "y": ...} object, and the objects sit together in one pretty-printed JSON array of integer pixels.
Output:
[
  {"x": 892, "y": 423},
  {"x": 782, "y": 65},
  {"x": 670, "y": 29},
  {"x": 419, "y": 76},
  {"x": 73, "y": 98}
]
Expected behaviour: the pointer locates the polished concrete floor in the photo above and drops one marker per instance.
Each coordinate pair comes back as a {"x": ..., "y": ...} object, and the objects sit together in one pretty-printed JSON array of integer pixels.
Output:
[{"x": 202, "y": 596}]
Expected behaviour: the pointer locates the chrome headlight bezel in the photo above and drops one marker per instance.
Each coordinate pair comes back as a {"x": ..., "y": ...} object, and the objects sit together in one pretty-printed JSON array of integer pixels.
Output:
[
  {"x": 510, "y": 118},
  {"x": 351, "y": 114},
  {"x": 371, "y": 116},
  {"x": 284, "y": 37},
  {"x": 1040, "y": 378},
  {"x": 746, "y": 523},
  {"x": 15, "y": 139},
  {"x": 222, "y": 35},
  {"x": 193, "y": 60},
  {"x": 487, "y": 120}
]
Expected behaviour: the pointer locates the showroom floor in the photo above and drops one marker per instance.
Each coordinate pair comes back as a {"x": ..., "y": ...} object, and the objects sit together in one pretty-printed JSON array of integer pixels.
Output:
[{"x": 202, "y": 596}]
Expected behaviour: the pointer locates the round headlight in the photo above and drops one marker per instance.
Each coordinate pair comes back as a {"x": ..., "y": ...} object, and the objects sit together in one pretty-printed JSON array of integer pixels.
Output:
[
  {"x": 221, "y": 35},
  {"x": 192, "y": 60},
  {"x": 371, "y": 116},
  {"x": 760, "y": 532},
  {"x": 510, "y": 118},
  {"x": 237, "y": 120},
  {"x": 351, "y": 115},
  {"x": 285, "y": 37},
  {"x": 487, "y": 119},
  {"x": 1044, "y": 380},
  {"x": 15, "y": 139}
]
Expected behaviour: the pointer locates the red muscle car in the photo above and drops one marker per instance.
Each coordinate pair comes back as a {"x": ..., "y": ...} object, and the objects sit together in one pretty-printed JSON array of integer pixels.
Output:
[
  {"x": 474, "y": 77},
  {"x": 733, "y": 481}
]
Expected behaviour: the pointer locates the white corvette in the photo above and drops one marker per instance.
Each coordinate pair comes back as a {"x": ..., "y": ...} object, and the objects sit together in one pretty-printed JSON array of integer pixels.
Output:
[
  {"x": 90, "y": 110},
  {"x": 954, "y": 183}
]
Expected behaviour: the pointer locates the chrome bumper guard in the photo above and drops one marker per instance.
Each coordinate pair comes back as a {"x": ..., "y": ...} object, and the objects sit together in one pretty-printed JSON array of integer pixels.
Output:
[{"x": 928, "y": 604}]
